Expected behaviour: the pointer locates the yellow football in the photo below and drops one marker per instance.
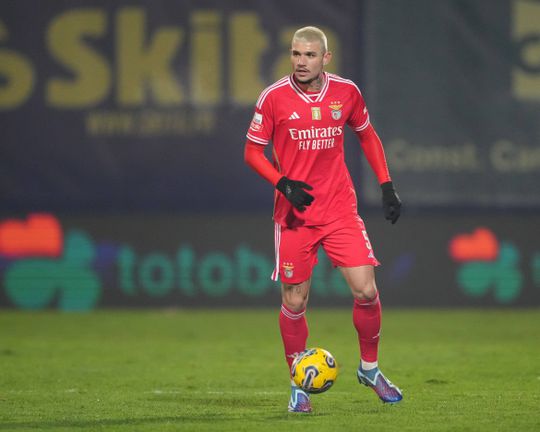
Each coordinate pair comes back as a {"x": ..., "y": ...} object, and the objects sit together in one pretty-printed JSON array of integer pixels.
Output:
[{"x": 314, "y": 370}]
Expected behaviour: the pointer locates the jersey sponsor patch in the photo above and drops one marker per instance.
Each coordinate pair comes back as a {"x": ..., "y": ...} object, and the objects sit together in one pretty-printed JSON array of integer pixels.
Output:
[
  {"x": 256, "y": 123},
  {"x": 257, "y": 118}
]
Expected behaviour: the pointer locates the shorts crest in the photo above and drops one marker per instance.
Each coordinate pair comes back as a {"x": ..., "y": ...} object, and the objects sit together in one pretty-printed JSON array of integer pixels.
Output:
[{"x": 288, "y": 269}]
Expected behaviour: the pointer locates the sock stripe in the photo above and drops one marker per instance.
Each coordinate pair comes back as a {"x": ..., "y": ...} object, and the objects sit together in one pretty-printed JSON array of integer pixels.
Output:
[{"x": 292, "y": 315}]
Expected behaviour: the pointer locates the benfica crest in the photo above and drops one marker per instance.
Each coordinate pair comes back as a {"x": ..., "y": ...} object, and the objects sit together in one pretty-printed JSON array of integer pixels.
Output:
[
  {"x": 336, "y": 110},
  {"x": 288, "y": 269}
]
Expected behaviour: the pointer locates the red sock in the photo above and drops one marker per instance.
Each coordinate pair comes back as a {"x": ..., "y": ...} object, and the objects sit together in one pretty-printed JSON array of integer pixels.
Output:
[
  {"x": 294, "y": 332},
  {"x": 367, "y": 321}
]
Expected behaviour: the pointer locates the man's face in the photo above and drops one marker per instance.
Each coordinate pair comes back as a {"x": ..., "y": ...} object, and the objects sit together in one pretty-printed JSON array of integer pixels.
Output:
[{"x": 307, "y": 60}]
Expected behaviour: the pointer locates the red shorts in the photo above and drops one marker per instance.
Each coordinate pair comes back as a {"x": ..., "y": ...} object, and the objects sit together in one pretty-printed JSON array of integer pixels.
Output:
[{"x": 345, "y": 242}]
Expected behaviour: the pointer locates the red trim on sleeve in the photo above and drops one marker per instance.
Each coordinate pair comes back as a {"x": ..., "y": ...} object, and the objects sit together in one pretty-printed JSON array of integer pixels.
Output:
[
  {"x": 254, "y": 157},
  {"x": 373, "y": 149}
]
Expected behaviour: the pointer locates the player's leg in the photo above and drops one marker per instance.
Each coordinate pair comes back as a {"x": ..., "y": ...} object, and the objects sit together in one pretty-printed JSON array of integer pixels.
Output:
[
  {"x": 294, "y": 334},
  {"x": 366, "y": 311},
  {"x": 367, "y": 321},
  {"x": 349, "y": 248},
  {"x": 296, "y": 255},
  {"x": 292, "y": 320}
]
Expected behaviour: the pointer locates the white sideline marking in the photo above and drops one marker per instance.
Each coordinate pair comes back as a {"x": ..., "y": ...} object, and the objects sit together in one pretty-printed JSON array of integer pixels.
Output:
[
  {"x": 229, "y": 392},
  {"x": 216, "y": 392},
  {"x": 244, "y": 392},
  {"x": 175, "y": 391}
]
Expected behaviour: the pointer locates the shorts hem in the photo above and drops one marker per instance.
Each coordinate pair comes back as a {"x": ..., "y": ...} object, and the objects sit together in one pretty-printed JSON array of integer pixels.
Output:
[
  {"x": 293, "y": 281},
  {"x": 374, "y": 263}
]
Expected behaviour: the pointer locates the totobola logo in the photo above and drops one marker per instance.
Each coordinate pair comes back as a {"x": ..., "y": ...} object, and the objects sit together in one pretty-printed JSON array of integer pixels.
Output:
[
  {"x": 47, "y": 266},
  {"x": 487, "y": 265}
]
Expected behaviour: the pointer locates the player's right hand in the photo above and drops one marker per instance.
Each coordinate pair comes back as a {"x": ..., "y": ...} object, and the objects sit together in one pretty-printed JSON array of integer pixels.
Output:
[{"x": 295, "y": 193}]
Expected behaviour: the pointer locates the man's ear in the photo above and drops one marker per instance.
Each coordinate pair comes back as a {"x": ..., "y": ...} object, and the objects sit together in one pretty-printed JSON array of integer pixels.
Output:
[{"x": 327, "y": 57}]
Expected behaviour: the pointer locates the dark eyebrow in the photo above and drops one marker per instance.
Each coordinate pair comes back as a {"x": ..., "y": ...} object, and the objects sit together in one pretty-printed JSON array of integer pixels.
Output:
[{"x": 306, "y": 53}]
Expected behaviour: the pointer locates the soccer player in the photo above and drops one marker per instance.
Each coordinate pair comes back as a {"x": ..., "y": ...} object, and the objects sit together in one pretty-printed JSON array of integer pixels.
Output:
[{"x": 304, "y": 115}]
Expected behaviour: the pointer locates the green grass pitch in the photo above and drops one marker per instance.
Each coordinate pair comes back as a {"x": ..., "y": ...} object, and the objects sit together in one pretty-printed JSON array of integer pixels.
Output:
[{"x": 223, "y": 370}]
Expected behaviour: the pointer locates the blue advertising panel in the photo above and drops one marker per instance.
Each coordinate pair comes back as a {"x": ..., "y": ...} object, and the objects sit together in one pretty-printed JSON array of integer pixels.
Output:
[
  {"x": 83, "y": 263},
  {"x": 145, "y": 105}
]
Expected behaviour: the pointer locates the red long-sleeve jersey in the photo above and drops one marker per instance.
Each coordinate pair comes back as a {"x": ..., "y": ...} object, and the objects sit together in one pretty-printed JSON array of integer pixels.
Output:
[{"x": 307, "y": 133}]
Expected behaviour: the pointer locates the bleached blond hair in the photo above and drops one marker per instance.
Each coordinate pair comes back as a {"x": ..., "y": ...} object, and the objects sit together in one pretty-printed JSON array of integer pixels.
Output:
[{"x": 311, "y": 34}]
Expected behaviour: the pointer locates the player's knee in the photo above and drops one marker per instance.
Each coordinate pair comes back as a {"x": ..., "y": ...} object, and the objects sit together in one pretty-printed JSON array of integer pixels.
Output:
[
  {"x": 295, "y": 304},
  {"x": 295, "y": 296},
  {"x": 364, "y": 290}
]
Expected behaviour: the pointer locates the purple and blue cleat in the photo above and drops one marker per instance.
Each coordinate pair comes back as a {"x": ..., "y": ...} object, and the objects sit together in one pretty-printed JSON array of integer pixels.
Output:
[
  {"x": 381, "y": 385},
  {"x": 299, "y": 401}
]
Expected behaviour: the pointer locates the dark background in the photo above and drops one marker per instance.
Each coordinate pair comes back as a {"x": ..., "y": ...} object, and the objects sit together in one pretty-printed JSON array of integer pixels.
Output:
[{"x": 453, "y": 89}]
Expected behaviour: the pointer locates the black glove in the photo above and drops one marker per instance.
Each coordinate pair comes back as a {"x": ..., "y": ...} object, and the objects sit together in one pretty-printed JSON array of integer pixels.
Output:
[
  {"x": 295, "y": 193},
  {"x": 391, "y": 202}
]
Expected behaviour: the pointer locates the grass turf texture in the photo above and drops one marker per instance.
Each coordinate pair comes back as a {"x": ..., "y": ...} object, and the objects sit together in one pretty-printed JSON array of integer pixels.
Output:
[{"x": 224, "y": 370}]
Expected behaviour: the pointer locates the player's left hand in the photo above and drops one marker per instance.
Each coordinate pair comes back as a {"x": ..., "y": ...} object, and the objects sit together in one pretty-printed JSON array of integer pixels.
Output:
[{"x": 391, "y": 202}]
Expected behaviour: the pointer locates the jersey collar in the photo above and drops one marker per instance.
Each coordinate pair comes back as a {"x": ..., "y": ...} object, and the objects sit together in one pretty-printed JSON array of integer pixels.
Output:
[{"x": 309, "y": 97}]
